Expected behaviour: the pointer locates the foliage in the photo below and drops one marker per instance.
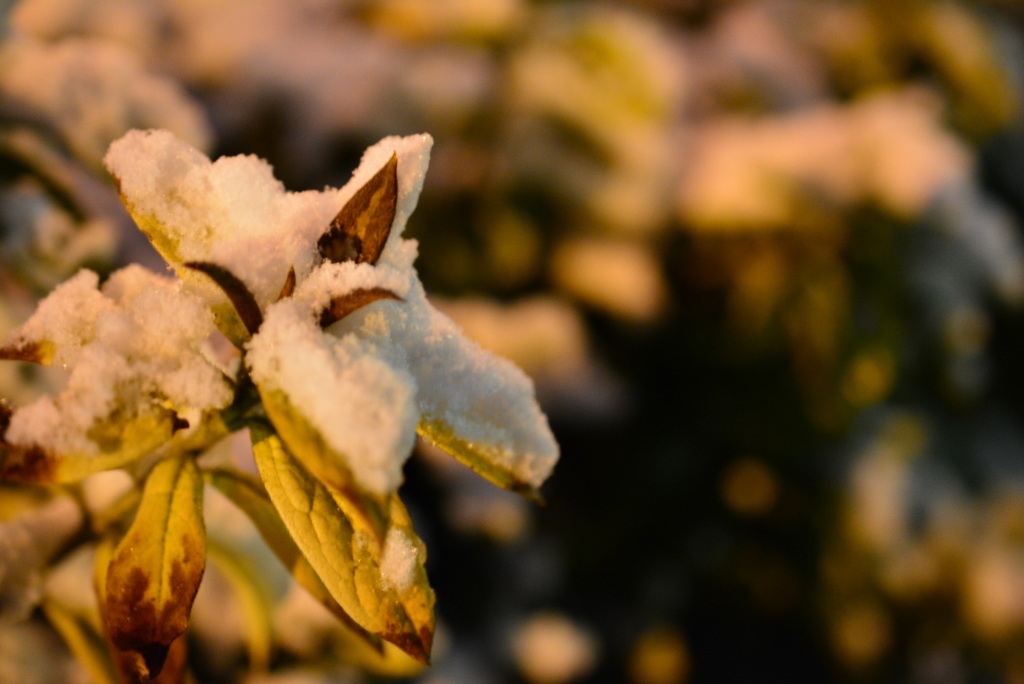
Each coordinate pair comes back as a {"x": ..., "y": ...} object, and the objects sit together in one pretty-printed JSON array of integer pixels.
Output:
[{"x": 149, "y": 394}]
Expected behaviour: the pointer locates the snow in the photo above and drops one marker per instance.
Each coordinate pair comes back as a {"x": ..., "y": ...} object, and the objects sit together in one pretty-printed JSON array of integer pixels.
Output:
[
  {"x": 398, "y": 560},
  {"x": 365, "y": 383},
  {"x": 138, "y": 340},
  {"x": 361, "y": 405}
]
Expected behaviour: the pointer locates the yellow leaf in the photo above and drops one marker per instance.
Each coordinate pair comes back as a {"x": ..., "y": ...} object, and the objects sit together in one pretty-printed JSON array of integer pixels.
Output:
[
  {"x": 249, "y": 495},
  {"x": 156, "y": 568},
  {"x": 307, "y": 445},
  {"x": 119, "y": 443},
  {"x": 253, "y": 598},
  {"x": 84, "y": 643},
  {"x": 387, "y": 595},
  {"x": 484, "y": 459},
  {"x": 152, "y": 228}
]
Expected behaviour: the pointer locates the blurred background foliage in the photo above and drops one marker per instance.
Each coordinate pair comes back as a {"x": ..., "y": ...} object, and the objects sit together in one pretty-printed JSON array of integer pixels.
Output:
[{"x": 763, "y": 259}]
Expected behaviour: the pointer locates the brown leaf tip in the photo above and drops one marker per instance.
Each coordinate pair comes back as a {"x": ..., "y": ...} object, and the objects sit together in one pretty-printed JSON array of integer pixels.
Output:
[
  {"x": 232, "y": 286},
  {"x": 5, "y": 418},
  {"x": 289, "y": 285},
  {"x": 361, "y": 229},
  {"x": 178, "y": 423},
  {"x": 416, "y": 645},
  {"x": 349, "y": 303},
  {"x": 23, "y": 350}
]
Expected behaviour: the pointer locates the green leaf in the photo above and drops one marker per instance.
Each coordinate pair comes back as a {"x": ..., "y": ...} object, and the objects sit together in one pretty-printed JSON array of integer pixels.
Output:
[
  {"x": 248, "y": 493},
  {"x": 119, "y": 444},
  {"x": 156, "y": 568},
  {"x": 360, "y": 230},
  {"x": 241, "y": 298},
  {"x": 307, "y": 445},
  {"x": 346, "y": 554}
]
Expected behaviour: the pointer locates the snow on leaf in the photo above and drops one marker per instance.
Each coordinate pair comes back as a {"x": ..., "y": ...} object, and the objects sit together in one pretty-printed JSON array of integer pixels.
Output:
[
  {"x": 155, "y": 570},
  {"x": 349, "y": 303},
  {"x": 118, "y": 443},
  {"x": 360, "y": 230},
  {"x": 347, "y": 554},
  {"x": 139, "y": 371},
  {"x": 478, "y": 407}
]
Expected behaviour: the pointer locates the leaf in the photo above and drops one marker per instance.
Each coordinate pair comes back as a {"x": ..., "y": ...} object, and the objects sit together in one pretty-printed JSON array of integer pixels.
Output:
[
  {"x": 241, "y": 298},
  {"x": 119, "y": 444},
  {"x": 130, "y": 665},
  {"x": 83, "y": 641},
  {"x": 156, "y": 568},
  {"x": 289, "y": 285},
  {"x": 346, "y": 554},
  {"x": 249, "y": 494},
  {"x": 40, "y": 352},
  {"x": 486, "y": 460},
  {"x": 479, "y": 407},
  {"x": 353, "y": 301},
  {"x": 360, "y": 230},
  {"x": 307, "y": 445},
  {"x": 253, "y": 599},
  {"x": 152, "y": 228}
]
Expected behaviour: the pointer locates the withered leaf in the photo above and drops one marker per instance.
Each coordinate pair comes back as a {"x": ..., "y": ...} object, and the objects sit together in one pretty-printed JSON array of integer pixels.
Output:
[
  {"x": 346, "y": 553},
  {"x": 40, "y": 352},
  {"x": 360, "y": 230},
  {"x": 5, "y": 418},
  {"x": 156, "y": 569},
  {"x": 289, "y": 285},
  {"x": 241, "y": 298},
  {"x": 353, "y": 301}
]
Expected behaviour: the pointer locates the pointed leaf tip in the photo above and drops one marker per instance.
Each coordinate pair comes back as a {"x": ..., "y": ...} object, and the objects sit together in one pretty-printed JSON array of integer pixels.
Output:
[
  {"x": 289, "y": 285},
  {"x": 360, "y": 230}
]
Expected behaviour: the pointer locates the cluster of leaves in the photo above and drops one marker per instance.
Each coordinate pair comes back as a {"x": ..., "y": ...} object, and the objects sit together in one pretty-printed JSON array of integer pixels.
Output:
[{"x": 352, "y": 548}]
